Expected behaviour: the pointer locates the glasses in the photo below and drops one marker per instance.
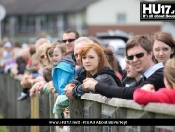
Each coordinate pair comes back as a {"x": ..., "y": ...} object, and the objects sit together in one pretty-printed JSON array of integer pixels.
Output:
[
  {"x": 139, "y": 55},
  {"x": 42, "y": 56},
  {"x": 69, "y": 40}
]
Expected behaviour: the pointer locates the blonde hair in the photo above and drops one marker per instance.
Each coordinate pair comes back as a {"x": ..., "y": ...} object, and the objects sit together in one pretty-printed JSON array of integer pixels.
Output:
[
  {"x": 62, "y": 47},
  {"x": 41, "y": 41},
  {"x": 49, "y": 51},
  {"x": 169, "y": 70},
  {"x": 34, "y": 57},
  {"x": 39, "y": 50}
]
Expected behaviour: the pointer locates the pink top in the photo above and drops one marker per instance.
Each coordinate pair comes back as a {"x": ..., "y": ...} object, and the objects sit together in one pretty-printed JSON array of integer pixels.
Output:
[{"x": 163, "y": 95}]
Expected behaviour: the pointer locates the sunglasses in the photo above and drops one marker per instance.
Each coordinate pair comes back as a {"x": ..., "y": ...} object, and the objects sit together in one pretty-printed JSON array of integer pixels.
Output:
[
  {"x": 139, "y": 55},
  {"x": 69, "y": 40},
  {"x": 42, "y": 56},
  {"x": 35, "y": 65}
]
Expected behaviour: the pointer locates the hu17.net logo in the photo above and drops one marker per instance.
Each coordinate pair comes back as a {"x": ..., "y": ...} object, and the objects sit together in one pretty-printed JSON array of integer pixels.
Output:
[{"x": 157, "y": 11}]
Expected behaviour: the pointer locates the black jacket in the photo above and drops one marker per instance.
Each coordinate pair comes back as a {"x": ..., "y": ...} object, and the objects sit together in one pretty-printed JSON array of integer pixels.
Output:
[
  {"x": 105, "y": 74},
  {"x": 80, "y": 77},
  {"x": 127, "y": 93},
  {"x": 110, "y": 72}
]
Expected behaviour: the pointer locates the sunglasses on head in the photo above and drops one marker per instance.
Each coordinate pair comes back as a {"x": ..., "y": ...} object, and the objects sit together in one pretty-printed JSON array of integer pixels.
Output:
[
  {"x": 139, "y": 55},
  {"x": 42, "y": 56},
  {"x": 69, "y": 40}
]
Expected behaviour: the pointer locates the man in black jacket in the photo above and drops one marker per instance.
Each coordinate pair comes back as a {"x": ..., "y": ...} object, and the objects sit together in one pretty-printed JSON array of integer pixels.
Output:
[{"x": 140, "y": 55}]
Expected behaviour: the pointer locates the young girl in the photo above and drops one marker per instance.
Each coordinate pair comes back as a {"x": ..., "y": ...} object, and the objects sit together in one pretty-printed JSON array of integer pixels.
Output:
[
  {"x": 147, "y": 93},
  {"x": 63, "y": 70},
  {"x": 96, "y": 65}
]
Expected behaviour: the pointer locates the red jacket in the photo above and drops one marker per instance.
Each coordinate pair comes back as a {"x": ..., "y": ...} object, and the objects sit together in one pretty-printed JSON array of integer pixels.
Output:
[{"x": 163, "y": 95}]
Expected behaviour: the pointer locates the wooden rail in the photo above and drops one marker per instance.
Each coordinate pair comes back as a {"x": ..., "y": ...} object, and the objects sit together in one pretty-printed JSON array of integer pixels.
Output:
[{"x": 89, "y": 106}]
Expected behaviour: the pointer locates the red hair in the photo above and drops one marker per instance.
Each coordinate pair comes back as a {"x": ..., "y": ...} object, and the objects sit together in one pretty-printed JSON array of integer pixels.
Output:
[{"x": 103, "y": 60}]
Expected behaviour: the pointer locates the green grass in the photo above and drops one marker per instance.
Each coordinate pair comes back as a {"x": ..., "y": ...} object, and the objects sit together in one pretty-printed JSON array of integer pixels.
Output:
[{"x": 3, "y": 128}]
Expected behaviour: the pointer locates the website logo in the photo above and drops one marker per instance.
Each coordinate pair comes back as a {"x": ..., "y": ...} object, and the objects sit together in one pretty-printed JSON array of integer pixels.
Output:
[{"x": 150, "y": 11}]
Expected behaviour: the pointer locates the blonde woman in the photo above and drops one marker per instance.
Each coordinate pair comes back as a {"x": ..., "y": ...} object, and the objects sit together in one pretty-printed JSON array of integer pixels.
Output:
[{"x": 41, "y": 53}]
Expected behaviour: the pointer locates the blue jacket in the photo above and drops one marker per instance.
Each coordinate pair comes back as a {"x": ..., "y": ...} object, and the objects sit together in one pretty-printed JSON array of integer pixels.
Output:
[{"x": 63, "y": 73}]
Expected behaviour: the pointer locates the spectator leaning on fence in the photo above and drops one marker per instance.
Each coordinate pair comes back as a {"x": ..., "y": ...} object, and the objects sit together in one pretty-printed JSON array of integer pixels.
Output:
[
  {"x": 140, "y": 55},
  {"x": 148, "y": 94},
  {"x": 163, "y": 46},
  {"x": 21, "y": 67},
  {"x": 32, "y": 78},
  {"x": 131, "y": 76},
  {"x": 41, "y": 55},
  {"x": 63, "y": 70},
  {"x": 96, "y": 64},
  {"x": 80, "y": 72},
  {"x": 49, "y": 87},
  {"x": 76, "y": 83}
]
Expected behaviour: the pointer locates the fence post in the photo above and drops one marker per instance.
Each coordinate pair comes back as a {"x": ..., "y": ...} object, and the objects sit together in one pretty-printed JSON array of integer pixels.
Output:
[{"x": 35, "y": 111}]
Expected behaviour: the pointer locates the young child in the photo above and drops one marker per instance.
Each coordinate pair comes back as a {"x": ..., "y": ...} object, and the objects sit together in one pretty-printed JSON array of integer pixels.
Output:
[
  {"x": 63, "y": 70},
  {"x": 166, "y": 95},
  {"x": 30, "y": 78}
]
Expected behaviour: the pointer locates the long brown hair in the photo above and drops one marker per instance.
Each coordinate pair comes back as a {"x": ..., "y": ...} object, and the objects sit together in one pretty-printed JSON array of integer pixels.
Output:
[{"x": 111, "y": 57}]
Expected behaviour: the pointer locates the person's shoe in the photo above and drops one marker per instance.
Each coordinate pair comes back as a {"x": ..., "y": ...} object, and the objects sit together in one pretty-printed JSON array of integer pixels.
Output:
[{"x": 23, "y": 96}]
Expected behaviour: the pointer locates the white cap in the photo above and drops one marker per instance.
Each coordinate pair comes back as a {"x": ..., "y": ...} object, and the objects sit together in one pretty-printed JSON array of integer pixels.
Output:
[{"x": 8, "y": 44}]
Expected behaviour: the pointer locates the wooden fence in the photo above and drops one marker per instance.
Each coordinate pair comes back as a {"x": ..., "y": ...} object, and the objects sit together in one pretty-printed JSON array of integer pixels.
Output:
[{"x": 90, "y": 106}]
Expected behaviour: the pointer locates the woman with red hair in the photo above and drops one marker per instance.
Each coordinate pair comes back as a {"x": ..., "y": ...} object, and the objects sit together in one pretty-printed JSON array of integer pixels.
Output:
[{"x": 94, "y": 61}]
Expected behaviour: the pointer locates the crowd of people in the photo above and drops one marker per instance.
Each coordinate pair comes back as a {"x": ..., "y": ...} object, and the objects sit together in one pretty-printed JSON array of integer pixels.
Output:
[{"x": 78, "y": 65}]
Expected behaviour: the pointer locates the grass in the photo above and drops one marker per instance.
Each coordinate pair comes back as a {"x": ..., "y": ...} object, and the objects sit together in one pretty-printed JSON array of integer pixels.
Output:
[{"x": 3, "y": 128}]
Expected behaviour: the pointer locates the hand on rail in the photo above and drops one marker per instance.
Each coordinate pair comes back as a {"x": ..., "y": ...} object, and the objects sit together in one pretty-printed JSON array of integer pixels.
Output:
[
  {"x": 68, "y": 91},
  {"x": 148, "y": 87},
  {"x": 89, "y": 84},
  {"x": 37, "y": 86},
  {"x": 26, "y": 82}
]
